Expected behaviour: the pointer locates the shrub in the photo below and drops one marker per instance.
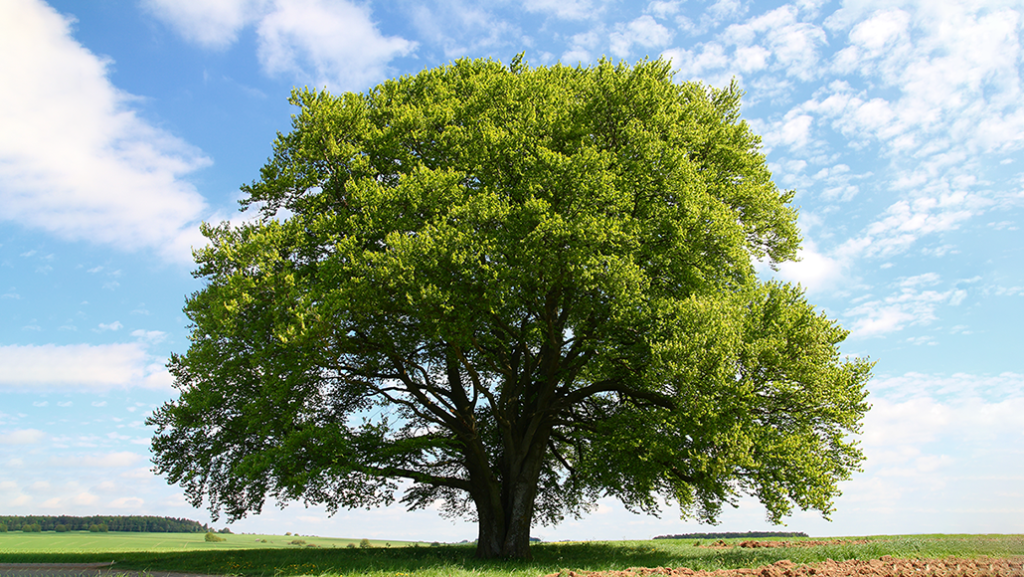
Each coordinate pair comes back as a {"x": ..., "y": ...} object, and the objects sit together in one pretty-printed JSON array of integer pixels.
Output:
[
  {"x": 31, "y": 528},
  {"x": 297, "y": 542},
  {"x": 61, "y": 528},
  {"x": 3, "y": 528},
  {"x": 225, "y": 531},
  {"x": 212, "y": 537},
  {"x": 351, "y": 545},
  {"x": 365, "y": 543},
  {"x": 435, "y": 544}
]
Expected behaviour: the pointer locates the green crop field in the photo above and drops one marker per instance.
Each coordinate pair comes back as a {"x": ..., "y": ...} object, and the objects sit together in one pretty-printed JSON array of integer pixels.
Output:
[
  {"x": 18, "y": 543},
  {"x": 243, "y": 555}
]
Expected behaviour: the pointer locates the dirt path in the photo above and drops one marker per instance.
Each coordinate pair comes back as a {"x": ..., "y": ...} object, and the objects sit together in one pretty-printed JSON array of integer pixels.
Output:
[
  {"x": 884, "y": 567},
  {"x": 80, "y": 570}
]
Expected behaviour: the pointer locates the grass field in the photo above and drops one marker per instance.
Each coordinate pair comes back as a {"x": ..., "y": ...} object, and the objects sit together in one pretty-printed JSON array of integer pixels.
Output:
[
  {"x": 242, "y": 555},
  {"x": 16, "y": 542}
]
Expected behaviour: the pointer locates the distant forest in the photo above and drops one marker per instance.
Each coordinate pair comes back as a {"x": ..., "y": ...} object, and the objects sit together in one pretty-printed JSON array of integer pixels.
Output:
[
  {"x": 747, "y": 535},
  {"x": 103, "y": 523}
]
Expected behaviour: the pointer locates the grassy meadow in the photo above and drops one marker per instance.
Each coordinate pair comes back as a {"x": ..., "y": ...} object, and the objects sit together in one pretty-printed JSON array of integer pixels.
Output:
[
  {"x": 85, "y": 542},
  {"x": 243, "y": 555}
]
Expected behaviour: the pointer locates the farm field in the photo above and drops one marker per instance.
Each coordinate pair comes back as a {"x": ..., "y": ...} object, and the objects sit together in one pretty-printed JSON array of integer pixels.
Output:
[
  {"x": 84, "y": 542},
  {"x": 242, "y": 555}
]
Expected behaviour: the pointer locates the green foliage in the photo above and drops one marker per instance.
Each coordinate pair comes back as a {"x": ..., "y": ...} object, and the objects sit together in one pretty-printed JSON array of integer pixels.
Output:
[
  {"x": 520, "y": 289},
  {"x": 134, "y": 523},
  {"x": 31, "y": 528},
  {"x": 213, "y": 538},
  {"x": 365, "y": 543},
  {"x": 3, "y": 527}
]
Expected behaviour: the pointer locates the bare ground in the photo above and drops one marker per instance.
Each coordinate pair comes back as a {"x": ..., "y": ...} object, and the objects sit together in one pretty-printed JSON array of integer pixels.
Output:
[{"x": 885, "y": 567}]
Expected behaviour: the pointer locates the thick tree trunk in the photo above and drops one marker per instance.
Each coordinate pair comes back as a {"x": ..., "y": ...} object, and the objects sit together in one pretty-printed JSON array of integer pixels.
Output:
[
  {"x": 506, "y": 534},
  {"x": 505, "y": 510}
]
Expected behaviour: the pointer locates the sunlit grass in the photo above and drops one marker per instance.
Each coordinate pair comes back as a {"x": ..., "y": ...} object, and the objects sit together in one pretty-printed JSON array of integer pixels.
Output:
[{"x": 458, "y": 560}]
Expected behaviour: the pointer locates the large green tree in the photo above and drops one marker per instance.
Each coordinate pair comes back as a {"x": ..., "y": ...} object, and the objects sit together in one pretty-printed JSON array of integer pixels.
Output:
[{"x": 518, "y": 290}]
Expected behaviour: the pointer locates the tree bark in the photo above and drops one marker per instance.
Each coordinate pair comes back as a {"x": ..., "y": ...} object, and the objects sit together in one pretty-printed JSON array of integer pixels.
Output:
[{"x": 505, "y": 508}]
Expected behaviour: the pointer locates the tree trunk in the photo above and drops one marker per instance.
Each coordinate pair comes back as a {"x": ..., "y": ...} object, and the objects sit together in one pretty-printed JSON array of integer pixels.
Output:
[
  {"x": 506, "y": 534},
  {"x": 505, "y": 508}
]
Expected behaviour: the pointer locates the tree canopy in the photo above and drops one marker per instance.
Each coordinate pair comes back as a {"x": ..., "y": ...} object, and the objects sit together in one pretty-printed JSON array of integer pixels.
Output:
[{"x": 511, "y": 290}]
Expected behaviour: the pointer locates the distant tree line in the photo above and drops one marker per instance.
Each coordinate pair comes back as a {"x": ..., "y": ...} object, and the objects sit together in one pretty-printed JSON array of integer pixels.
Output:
[
  {"x": 747, "y": 535},
  {"x": 100, "y": 523}
]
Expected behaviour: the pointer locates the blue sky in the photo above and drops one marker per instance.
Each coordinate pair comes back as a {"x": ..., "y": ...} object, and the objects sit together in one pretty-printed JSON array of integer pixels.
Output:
[{"x": 900, "y": 125}]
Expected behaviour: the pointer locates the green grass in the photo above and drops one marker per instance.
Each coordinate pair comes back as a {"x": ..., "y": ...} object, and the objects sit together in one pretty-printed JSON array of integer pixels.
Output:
[
  {"x": 230, "y": 558},
  {"x": 16, "y": 543}
]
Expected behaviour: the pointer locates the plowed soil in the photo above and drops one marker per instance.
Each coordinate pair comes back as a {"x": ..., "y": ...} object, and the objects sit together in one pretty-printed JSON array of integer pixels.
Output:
[
  {"x": 884, "y": 567},
  {"x": 777, "y": 544}
]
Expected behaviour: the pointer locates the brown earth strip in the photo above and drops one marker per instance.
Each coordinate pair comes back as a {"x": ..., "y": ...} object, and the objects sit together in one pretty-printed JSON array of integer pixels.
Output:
[
  {"x": 720, "y": 544},
  {"x": 885, "y": 567}
]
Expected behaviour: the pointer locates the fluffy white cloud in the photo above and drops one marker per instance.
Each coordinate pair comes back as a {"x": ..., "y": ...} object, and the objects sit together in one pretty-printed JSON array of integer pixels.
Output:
[
  {"x": 329, "y": 43},
  {"x": 644, "y": 31},
  {"x": 75, "y": 159},
  {"x": 324, "y": 43},
  {"x": 211, "y": 23},
  {"x": 80, "y": 367},
  {"x": 697, "y": 63},
  {"x": 814, "y": 271}
]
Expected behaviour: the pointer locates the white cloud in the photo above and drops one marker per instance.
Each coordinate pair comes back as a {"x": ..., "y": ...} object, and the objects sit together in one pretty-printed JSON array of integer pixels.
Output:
[
  {"x": 693, "y": 64},
  {"x": 910, "y": 306},
  {"x": 22, "y": 437},
  {"x": 127, "y": 503},
  {"x": 334, "y": 44},
  {"x": 149, "y": 336},
  {"x": 110, "y": 326},
  {"x": 665, "y": 8},
  {"x": 462, "y": 27},
  {"x": 792, "y": 131},
  {"x": 1007, "y": 385},
  {"x": 319, "y": 42},
  {"x": 75, "y": 159},
  {"x": 793, "y": 44},
  {"x": 85, "y": 498},
  {"x": 644, "y": 31},
  {"x": 814, "y": 271},
  {"x": 105, "y": 461},
  {"x": 905, "y": 221},
  {"x": 138, "y": 473},
  {"x": 80, "y": 367},
  {"x": 210, "y": 23},
  {"x": 564, "y": 9}
]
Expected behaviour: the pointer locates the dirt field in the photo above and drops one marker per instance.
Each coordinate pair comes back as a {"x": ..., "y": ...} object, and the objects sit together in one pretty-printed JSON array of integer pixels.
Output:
[
  {"x": 779, "y": 544},
  {"x": 884, "y": 567}
]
